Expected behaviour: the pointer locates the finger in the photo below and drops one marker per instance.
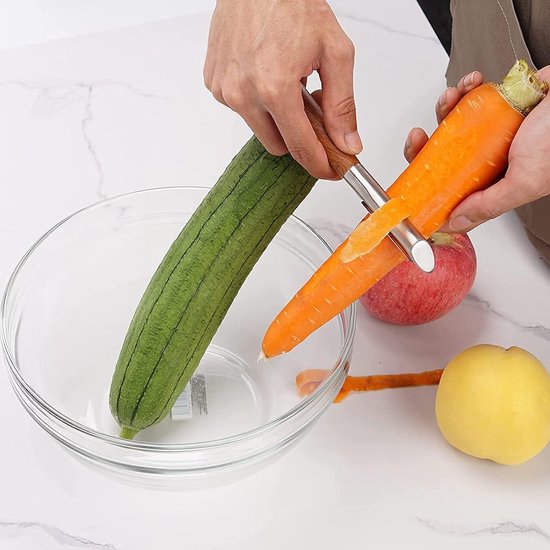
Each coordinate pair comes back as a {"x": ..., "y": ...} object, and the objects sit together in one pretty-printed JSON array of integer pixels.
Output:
[
  {"x": 288, "y": 113},
  {"x": 544, "y": 73},
  {"x": 208, "y": 74},
  {"x": 216, "y": 91},
  {"x": 338, "y": 101},
  {"x": 469, "y": 82},
  {"x": 416, "y": 139},
  {"x": 318, "y": 96},
  {"x": 256, "y": 117},
  {"x": 265, "y": 129},
  {"x": 451, "y": 96},
  {"x": 482, "y": 206},
  {"x": 446, "y": 103}
]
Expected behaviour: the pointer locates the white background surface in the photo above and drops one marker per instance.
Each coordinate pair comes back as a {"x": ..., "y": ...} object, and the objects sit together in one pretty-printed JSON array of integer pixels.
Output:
[
  {"x": 25, "y": 22},
  {"x": 86, "y": 116}
]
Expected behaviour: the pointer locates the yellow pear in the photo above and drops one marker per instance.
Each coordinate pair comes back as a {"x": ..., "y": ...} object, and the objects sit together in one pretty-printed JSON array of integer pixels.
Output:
[{"x": 494, "y": 403}]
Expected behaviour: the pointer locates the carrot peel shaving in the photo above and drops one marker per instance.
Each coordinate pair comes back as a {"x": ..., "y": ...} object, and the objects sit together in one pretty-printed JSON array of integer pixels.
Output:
[
  {"x": 374, "y": 229},
  {"x": 308, "y": 380}
]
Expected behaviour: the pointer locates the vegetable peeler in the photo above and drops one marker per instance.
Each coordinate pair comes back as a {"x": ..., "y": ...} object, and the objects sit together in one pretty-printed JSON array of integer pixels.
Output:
[{"x": 405, "y": 236}]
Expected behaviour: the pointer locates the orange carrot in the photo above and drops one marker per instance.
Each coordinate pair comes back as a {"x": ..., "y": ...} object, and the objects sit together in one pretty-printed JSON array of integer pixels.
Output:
[
  {"x": 466, "y": 153},
  {"x": 372, "y": 230},
  {"x": 308, "y": 380}
]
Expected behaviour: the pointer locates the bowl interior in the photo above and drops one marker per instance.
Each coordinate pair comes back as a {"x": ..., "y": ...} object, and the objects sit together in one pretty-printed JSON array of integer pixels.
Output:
[{"x": 71, "y": 302}]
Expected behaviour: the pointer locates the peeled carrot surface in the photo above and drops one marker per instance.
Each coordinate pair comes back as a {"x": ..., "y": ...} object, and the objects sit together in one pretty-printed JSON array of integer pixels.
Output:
[
  {"x": 308, "y": 380},
  {"x": 466, "y": 153}
]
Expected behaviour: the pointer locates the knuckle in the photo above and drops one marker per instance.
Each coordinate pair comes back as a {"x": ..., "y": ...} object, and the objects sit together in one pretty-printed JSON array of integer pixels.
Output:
[
  {"x": 217, "y": 93},
  {"x": 492, "y": 212},
  {"x": 345, "y": 107},
  {"x": 350, "y": 48},
  {"x": 269, "y": 91},
  {"x": 207, "y": 78},
  {"x": 234, "y": 97},
  {"x": 344, "y": 51},
  {"x": 302, "y": 155}
]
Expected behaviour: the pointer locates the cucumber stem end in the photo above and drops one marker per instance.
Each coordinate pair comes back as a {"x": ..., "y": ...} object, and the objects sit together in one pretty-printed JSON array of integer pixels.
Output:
[{"x": 128, "y": 433}]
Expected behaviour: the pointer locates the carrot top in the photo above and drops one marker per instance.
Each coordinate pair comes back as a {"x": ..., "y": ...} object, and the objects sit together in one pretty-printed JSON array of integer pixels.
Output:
[{"x": 522, "y": 88}]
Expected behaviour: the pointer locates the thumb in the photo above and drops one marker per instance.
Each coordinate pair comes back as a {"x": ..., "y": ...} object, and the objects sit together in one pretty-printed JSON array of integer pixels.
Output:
[
  {"x": 338, "y": 101},
  {"x": 486, "y": 205}
]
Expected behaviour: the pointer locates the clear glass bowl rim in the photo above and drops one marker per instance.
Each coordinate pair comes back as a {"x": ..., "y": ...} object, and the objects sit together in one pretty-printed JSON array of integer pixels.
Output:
[{"x": 343, "y": 356}]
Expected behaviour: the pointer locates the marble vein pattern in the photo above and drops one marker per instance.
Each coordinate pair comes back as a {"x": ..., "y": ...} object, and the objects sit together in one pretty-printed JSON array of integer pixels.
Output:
[
  {"x": 52, "y": 97},
  {"x": 537, "y": 330},
  {"x": 47, "y": 534},
  {"x": 77, "y": 132},
  {"x": 384, "y": 27},
  {"x": 505, "y": 527}
]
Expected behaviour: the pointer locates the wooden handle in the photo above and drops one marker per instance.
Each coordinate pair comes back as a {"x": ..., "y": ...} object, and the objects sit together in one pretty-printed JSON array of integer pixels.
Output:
[{"x": 341, "y": 162}]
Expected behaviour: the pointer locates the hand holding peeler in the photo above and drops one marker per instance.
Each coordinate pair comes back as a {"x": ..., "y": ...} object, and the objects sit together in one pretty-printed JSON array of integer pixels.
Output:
[{"x": 405, "y": 236}]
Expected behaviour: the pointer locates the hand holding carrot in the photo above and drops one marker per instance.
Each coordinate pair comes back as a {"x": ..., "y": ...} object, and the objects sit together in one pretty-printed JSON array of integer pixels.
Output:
[
  {"x": 465, "y": 154},
  {"x": 527, "y": 177}
]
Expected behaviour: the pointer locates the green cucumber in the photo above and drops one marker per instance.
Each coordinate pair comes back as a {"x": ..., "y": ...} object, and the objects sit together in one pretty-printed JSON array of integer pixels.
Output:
[{"x": 198, "y": 279}]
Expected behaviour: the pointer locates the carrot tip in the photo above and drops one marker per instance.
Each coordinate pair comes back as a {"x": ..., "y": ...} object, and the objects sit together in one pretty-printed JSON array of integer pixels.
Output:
[{"x": 262, "y": 358}]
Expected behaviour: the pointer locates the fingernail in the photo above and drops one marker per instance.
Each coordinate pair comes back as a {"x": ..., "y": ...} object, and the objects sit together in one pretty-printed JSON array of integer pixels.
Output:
[
  {"x": 443, "y": 98},
  {"x": 353, "y": 142},
  {"x": 468, "y": 79},
  {"x": 407, "y": 143},
  {"x": 461, "y": 223}
]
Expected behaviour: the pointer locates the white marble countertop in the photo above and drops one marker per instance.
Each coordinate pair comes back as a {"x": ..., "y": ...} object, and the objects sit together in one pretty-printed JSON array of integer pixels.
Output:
[{"x": 118, "y": 105}]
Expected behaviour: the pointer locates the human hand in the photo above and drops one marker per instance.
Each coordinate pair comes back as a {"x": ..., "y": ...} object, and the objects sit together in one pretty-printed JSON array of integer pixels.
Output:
[
  {"x": 259, "y": 52},
  {"x": 527, "y": 177}
]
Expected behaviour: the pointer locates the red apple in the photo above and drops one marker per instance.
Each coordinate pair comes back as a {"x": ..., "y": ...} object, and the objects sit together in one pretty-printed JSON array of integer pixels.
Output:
[{"x": 408, "y": 296}]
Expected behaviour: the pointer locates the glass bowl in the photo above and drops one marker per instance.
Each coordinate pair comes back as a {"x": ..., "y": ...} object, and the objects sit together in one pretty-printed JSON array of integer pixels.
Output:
[{"x": 68, "y": 305}]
